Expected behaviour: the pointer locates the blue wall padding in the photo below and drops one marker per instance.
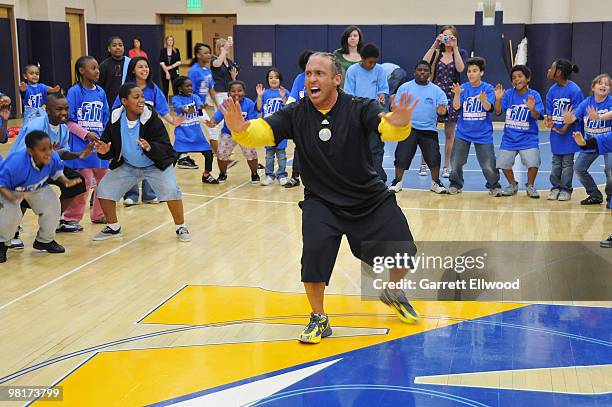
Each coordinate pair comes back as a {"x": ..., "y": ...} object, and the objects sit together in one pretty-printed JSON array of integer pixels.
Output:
[
  {"x": 547, "y": 42},
  {"x": 7, "y": 72}
]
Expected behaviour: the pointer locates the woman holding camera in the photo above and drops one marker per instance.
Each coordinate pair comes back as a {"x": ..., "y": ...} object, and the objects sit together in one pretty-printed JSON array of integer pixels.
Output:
[{"x": 447, "y": 62}]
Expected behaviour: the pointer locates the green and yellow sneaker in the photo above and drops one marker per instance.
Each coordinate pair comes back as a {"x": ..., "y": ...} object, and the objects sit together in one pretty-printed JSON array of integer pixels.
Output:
[
  {"x": 400, "y": 304},
  {"x": 317, "y": 328}
]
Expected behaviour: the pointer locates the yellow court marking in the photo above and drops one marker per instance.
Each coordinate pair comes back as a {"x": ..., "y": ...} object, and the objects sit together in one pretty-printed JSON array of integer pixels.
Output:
[{"x": 138, "y": 377}]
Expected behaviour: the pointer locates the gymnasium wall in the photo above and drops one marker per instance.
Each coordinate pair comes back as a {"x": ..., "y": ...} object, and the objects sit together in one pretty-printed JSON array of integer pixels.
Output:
[{"x": 6, "y": 63}]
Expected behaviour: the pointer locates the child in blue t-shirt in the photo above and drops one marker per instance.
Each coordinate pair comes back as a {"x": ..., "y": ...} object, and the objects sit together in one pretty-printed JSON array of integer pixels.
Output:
[
  {"x": 188, "y": 136},
  {"x": 269, "y": 101},
  {"x": 33, "y": 93},
  {"x": 474, "y": 101},
  {"x": 523, "y": 108},
  {"x": 87, "y": 116},
  {"x": 139, "y": 72},
  {"x": 592, "y": 115},
  {"x": 562, "y": 95},
  {"x": 25, "y": 174},
  {"x": 237, "y": 90},
  {"x": 203, "y": 82},
  {"x": 424, "y": 133}
]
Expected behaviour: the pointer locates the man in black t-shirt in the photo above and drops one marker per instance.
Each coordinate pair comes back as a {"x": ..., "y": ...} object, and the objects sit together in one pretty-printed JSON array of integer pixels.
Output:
[{"x": 344, "y": 195}]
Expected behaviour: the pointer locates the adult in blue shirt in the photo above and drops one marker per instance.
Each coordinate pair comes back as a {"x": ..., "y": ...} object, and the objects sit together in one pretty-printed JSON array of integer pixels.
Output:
[
  {"x": 562, "y": 95},
  {"x": 25, "y": 174},
  {"x": 433, "y": 102},
  {"x": 368, "y": 79}
]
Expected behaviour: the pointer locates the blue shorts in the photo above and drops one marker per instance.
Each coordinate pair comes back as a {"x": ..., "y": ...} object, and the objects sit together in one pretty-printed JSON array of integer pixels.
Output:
[{"x": 117, "y": 182}]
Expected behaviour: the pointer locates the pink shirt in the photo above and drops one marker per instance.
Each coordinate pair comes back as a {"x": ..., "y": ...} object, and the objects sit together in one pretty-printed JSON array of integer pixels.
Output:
[{"x": 133, "y": 53}]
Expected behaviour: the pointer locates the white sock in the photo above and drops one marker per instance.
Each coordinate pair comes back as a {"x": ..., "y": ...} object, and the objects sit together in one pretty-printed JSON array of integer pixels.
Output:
[
  {"x": 114, "y": 226},
  {"x": 180, "y": 226}
]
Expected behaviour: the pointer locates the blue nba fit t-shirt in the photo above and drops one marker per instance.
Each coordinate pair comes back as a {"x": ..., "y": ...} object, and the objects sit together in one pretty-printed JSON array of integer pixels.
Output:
[
  {"x": 249, "y": 112},
  {"x": 558, "y": 99},
  {"x": 35, "y": 95},
  {"x": 521, "y": 128},
  {"x": 594, "y": 128},
  {"x": 474, "y": 124},
  {"x": 271, "y": 102},
  {"x": 202, "y": 79},
  {"x": 425, "y": 115},
  {"x": 19, "y": 171},
  {"x": 189, "y": 137},
  {"x": 89, "y": 109},
  {"x": 153, "y": 96},
  {"x": 61, "y": 137}
]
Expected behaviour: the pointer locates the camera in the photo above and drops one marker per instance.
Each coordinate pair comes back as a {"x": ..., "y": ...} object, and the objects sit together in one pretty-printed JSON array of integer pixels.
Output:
[{"x": 444, "y": 38}]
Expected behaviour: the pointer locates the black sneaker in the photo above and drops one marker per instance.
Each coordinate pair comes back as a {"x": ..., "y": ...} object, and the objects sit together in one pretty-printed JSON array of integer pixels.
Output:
[
  {"x": 317, "y": 328},
  {"x": 209, "y": 179},
  {"x": 591, "y": 200},
  {"x": 51, "y": 247},
  {"x": 187, "y": 163},
  {"x": 3, "y": 250},
  {"x": 293, "y": 182},
  {"x": 255, "y": 178},
  {"x": 222, "y": 177},
  {"x": 68, "y": 227},
  {"x": 604, "y": 243},
  {"x": 107, "y": 233},
  {"x": 400, "y": 304}
]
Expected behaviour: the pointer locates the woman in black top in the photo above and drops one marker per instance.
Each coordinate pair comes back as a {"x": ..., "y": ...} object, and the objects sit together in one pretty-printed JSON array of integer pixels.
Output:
[
  {"x": 170, "y": 60},
  {"x": 224, "y": 70}
]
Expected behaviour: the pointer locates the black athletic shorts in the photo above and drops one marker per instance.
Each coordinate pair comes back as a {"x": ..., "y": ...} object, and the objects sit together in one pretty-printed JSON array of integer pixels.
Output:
[
  {"x": 65, "y": 192},
  {"x": 427, "y": 140},
  {"x": 322, "y": 232}
]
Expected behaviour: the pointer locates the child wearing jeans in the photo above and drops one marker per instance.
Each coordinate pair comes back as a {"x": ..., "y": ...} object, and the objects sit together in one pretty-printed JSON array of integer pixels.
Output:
[
  {"x": 523, "y": 107},
  {"x": 561, "y": 96},
  {"x": 34, "y": 93},
  {"x": 138, "y": 146},
  {"x": 592, "y": 115},
  {"x": 26, "y": 174},
  {"x": 474, "y": 101},
  {"x": 269, "y": 101}
]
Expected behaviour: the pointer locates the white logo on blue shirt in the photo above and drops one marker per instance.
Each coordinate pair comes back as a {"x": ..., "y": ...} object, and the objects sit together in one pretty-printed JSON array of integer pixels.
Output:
[
  {"x": 596, "y": 127},
  {"x": 90, "y": 114},
  {"x": 559, "y": 106},
  {"x": 517, "y": 117},
  {"x": 271, "y": 106},
  {"x": 35, "y": 100},
  {"x": 473, "y": 110}
]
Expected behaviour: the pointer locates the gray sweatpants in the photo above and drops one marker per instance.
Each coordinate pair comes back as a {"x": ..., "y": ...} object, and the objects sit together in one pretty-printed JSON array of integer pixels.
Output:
[{"x": 44, "y": 202}]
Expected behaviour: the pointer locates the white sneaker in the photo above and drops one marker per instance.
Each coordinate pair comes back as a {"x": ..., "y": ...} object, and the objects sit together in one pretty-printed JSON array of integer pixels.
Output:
[
  {"x": 495, "y": 192},
  {"x": 565, "y": 196},
  {"x": 553, "y": 195},
  {"x": 445, "y": 172},
  {"x": 423, "y": 170},
  {"x": 129, "y": 202},
  {"x": 183, "y": 234},
  {"x": 455, "y": 190},
  {"x": 267, "y": 181},
  {"x": 283, "y": 181},
  {"x": 437, "y": 188},
  {"x": 532, "y": 192},
  {"x": 396, "y": 186},
  {"x": 152, "y": 201}
]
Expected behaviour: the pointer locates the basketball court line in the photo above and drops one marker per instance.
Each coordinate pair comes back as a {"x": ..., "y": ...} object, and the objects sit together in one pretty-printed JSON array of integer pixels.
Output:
[
  {"x": 116, "y": 249},
  {"x": 415, "y": 209}
]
